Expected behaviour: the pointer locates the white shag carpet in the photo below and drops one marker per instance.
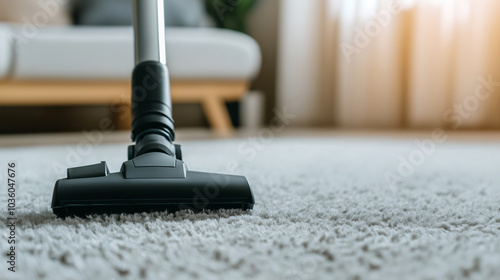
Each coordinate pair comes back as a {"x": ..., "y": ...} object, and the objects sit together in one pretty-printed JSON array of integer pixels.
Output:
[{"x": 324, "y": 211}]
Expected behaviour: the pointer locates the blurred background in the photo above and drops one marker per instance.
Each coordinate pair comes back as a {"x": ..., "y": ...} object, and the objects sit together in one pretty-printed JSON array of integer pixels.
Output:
[{"x": 371, "y": 64}]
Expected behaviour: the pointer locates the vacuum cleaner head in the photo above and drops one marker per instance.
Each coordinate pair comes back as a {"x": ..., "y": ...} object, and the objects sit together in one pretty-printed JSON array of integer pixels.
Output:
[{"x": 148, "y": 183}]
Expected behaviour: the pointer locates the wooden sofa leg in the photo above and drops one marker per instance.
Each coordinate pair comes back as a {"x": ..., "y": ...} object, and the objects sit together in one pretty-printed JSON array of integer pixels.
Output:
[{"x": 217, "y": 115}]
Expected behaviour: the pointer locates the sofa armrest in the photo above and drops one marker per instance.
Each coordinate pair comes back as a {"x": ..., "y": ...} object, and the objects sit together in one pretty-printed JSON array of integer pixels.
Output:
[{"x": 6, "y": 51}]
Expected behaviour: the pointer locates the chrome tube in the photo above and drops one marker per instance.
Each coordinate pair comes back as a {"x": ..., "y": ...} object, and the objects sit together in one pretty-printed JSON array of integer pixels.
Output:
[{"x": 149, "y": 31}]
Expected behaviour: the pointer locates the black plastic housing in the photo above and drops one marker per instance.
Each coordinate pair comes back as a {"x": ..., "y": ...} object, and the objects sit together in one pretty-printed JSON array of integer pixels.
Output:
[
  {"x": 154, "y": 178},
  {"x": 154, "y": 181},
  {"x": 151, "y": 101},
  {"x": 116, "y": 194}
]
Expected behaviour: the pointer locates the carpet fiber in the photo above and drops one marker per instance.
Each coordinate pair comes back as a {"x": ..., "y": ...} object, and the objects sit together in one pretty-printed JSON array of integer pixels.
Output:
[{"x": 324, "y": 211}]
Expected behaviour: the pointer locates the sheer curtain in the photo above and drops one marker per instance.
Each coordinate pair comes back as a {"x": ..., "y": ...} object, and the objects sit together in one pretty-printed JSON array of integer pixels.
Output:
[{"x": 391, "y": 64}]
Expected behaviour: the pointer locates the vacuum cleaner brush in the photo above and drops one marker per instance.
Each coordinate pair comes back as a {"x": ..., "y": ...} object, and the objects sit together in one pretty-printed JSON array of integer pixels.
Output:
[{"x": 154, "y": 178}]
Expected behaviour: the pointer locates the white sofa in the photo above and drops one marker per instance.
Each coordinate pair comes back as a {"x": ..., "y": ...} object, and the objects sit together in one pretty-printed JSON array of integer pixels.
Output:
[
  {"x": 93, "y": 65},
  {"x": 6, "y": 51}
]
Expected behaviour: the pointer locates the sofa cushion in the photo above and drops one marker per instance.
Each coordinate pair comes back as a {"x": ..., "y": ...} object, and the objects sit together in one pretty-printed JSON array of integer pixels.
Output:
[
  {"x": 6, "y": 51},
  {"x": 103, "y": 53}
]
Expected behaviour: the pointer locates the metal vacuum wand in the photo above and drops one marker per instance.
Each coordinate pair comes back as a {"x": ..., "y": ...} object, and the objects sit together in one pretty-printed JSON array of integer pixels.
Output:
[{"x": 149, "y": 31}]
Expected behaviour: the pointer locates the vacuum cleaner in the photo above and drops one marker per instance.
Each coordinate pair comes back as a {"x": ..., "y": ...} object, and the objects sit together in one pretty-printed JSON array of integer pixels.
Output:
[{"x": 155, "y": 178}]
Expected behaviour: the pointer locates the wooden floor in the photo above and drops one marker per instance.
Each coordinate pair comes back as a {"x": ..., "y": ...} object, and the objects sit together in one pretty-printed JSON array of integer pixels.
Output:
[{"x": 25, "y": 140}]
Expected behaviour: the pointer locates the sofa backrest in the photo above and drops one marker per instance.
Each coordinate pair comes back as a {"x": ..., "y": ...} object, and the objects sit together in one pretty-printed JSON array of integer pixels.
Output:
[{"x": 119, "y": 12}]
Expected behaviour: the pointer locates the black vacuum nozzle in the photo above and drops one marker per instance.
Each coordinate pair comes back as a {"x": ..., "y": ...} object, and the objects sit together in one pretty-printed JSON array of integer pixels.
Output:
[
  {"x": 149, "y": 183},
  {"x": 154, "y": 178},
  {"x": 153, "y": 181}
]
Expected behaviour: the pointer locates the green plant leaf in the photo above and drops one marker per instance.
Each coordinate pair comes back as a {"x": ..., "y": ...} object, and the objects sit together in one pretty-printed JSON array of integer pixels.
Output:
[{"x": 230, "y": 14}]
